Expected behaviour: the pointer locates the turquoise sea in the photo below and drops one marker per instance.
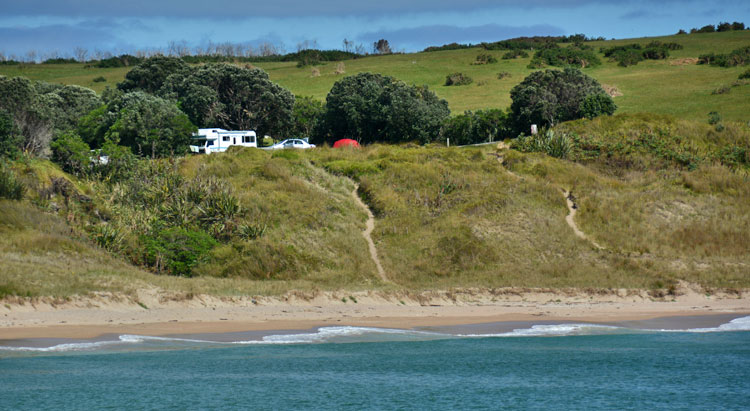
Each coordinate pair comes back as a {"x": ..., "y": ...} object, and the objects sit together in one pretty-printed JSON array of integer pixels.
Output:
[{"x": 542, "y": 366}]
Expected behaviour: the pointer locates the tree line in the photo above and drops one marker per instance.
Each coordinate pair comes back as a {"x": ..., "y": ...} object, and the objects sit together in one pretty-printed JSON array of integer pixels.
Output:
[{"x": 163, "y": 100}]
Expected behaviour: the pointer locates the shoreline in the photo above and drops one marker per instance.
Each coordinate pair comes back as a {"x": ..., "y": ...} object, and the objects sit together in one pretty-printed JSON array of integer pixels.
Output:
[{"x": 154, "y": 313}]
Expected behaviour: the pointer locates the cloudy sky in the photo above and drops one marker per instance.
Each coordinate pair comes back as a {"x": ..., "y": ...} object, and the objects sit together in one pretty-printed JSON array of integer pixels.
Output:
[{"x": 45, "y": 26}]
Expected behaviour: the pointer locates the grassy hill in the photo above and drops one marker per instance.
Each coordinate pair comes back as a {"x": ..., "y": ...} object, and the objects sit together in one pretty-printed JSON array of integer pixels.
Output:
[
  {"x": 675, "y": 86},
  {"x": 661, "y": 195},
  {"x": 444, "y": 217}
]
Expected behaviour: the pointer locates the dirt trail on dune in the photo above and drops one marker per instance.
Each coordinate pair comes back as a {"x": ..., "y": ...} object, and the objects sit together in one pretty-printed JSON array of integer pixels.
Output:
[
  {"x": 368, "y": 237},
  {"x": 569, "y": 200},
  {"x": 572, "y": 210}
]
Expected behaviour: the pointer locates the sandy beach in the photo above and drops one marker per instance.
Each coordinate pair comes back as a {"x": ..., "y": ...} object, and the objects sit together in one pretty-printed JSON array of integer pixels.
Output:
[{"x": 155, "y": 313}]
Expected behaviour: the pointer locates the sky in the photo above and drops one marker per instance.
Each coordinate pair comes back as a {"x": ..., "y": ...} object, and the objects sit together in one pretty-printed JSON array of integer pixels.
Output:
[{"x": 36, "y": 29}]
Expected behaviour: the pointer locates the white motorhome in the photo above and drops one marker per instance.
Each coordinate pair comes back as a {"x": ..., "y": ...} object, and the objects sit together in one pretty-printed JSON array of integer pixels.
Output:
[{"x": 213, "y": 140}]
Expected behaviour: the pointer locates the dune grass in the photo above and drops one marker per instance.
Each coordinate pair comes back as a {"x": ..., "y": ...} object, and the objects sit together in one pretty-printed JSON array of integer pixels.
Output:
[{"x": 445, "y": 218}]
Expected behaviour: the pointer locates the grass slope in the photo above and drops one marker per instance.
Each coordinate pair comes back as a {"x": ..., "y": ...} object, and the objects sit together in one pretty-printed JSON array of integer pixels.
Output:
[
  {"x": 445, "y": 217},
  {"x": 672, "y": 86}
]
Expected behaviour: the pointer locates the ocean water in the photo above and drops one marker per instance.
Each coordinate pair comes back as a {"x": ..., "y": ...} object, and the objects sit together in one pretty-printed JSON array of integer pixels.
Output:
[{"x": 542, "y": 366}]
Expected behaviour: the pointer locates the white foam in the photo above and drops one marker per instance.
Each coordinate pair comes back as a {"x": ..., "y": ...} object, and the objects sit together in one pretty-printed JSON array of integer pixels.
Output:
[
  {"x": 346, "y": 334},
  {"x": 371, "y": 334},
  {"x": 738, "y": 324},
  {"x": 553, "y": 330}
]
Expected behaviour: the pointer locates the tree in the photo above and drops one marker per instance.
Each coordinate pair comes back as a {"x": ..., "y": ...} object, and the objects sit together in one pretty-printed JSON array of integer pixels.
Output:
[
  {"x": 10, "y": 140},
  {"x": 371, "y": 107},
  {"x": 148, "y": 124},
  {"x": 476, "y": 127},
  {"x": 71, "y": 153},
  {"x": 223, "y": 95},
  {"x": 549, "y": 97},
  {"x": 307, "y": 113},
  {"x": 150, "y": 75},
  {"x": 381, "y": 47}
]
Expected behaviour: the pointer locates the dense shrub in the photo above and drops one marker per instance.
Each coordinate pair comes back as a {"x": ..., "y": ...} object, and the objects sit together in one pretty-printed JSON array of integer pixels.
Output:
[
  {"x": 485, "y": 59},
  {"x": 11, "y": 140},
  {"x": 575, "y": 55},
  {"x": 371, "y": 107},
  {"x": 99, "y": 79},
  {"x": 149, "y": 125},
  {"x": 124, "y": 60},
  {"x": 553, "y": 144},
  {"x": 476, "y": 127},
  {"x": 308, "y": 112},
  {"x": 737, "y": 57},
  {"x": 512, "y": 54},
  {"x": 458, "y": 79},
  {"x": 10, "y": 187},
  {"x": 71, "y": 153},
  {"x": 744, "y": 75},
  {"x": 631, "y": 54},
  {"x": 548, "y": 97},
  {"x": 176, "y": 250}
]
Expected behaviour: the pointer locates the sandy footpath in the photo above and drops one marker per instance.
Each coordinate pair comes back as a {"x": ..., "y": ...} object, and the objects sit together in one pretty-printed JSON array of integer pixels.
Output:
[{"x": 152, "y": 312}]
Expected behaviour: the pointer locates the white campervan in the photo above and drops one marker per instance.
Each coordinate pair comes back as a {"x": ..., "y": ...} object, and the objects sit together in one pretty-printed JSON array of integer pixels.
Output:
[{"x": 212, "y": 140}]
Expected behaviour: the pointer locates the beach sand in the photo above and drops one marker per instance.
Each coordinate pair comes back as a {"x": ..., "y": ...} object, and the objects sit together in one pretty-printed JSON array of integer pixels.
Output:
[{"x": 156, "y": 313}]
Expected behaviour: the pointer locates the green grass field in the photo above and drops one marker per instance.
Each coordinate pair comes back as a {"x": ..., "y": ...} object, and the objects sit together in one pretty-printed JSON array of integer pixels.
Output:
[{"x": 674, "y": 86}]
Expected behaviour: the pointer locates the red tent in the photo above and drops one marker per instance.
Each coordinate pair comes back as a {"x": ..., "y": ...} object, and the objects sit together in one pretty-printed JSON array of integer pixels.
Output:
[{"x": 345, "y": 142}]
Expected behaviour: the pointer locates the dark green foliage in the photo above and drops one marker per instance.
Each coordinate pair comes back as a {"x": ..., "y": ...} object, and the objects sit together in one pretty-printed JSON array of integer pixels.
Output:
[
  {"x": 60, "y": 60},
  {"x": 10, "y": 187},
  {"x": 458, "y": 79},
  {"x": 40, "y": 110},
  {"x": 99, "y": 79},
  {"x": 308, "y": 112},
  {"x": 451, "y": 46},
  {"x": 477, "y": 127},
  {"x": 485, "y": 59},
  {"x": 710, "y": 28},
  {"x": 234, "y": 98},
  {"x": 176, "y": 250},
  {"x": 371, "y": 107},
  {"x": 149, "y": 125},
  {"x": 631, "y": 54},
  {"x": 124, "y": 60},
  {"x": 11, "y": 140},
  {"x": 595, "y": 105},
  {"x": 516, "y": 53},
  {"x": 150, "y": 75},
  {"x": 549, "y": 97},
  {"x": 737, "y": 57},
  {"x": 714, "y": 118},
  {"x": 71, "y": 153},
  {"x": 745, "y": 75},
  {"x": 309, "y": 58},
  {"x": 575, "y": 55},
  {"x": 503, "y": 74}
]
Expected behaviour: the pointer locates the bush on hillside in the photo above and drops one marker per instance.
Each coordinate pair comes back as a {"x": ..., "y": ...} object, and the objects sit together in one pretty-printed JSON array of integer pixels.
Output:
[
  {"x": 745, "y": 75},
  {"x": 548, "y": 97},
  {"x": 149, "y": 125},
  {"x": 512, "y": 54},
  {"x": 631, "y": 54},
  {"x": 458, "y": 79},
  {"x": 554, "y": 55},
  {"x": 737, "y": 57},
  {"x": 176, "y": 250},
  {"x": 553, "y": 144},
  {"x": 10, "y": 187},
  {"x": 370, "y": 107},
  {"x": 476, "y": 127},
  {"x": 485, "y": 59},
  {"x": 11, "y": 140},
  {"x": 71, "y": 153}
]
